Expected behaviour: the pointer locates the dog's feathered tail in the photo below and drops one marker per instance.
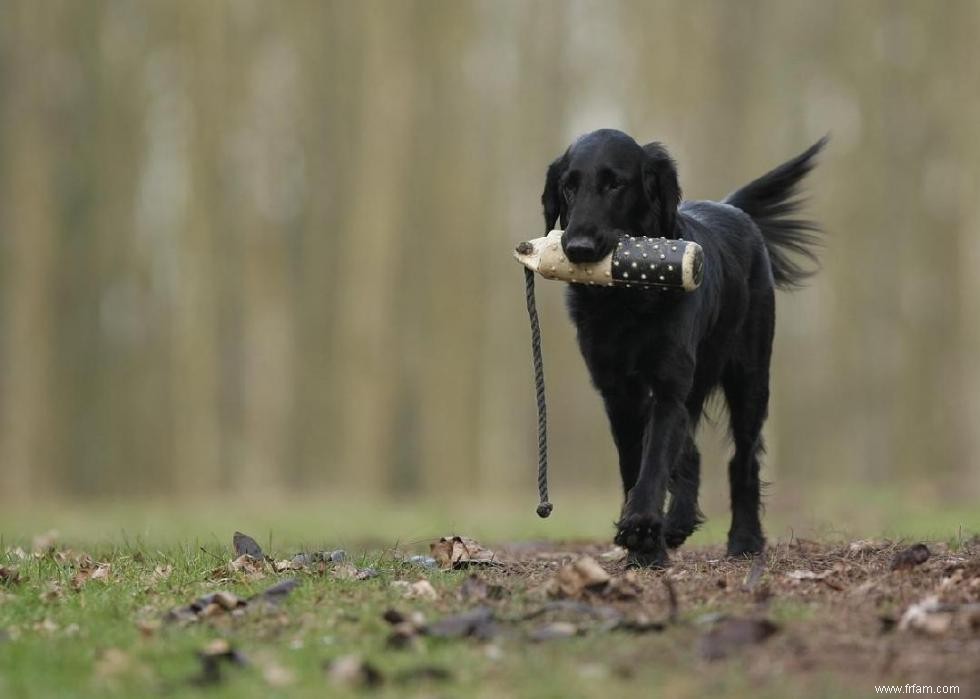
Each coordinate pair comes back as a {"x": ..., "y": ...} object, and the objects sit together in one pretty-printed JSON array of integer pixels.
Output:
[{"x": 771, "y": 201}]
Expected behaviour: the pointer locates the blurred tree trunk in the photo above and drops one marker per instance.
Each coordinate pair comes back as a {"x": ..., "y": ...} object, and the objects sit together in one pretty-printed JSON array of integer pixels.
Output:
[
  {"x": 367, "y": 344},
  {"x": 197, "y": 436},
  {"x": 28, "y": 224}
]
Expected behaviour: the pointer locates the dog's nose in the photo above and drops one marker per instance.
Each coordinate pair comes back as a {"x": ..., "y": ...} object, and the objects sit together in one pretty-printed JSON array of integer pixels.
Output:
[{"x": 580, "y": 250}]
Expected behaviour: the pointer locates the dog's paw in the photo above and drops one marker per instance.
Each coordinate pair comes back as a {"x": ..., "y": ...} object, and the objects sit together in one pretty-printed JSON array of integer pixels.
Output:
[
  {"x": 680, "y": 524},
  {"x": 642, "y": 537},
  {"x": 745, "y": 543},
  {"x": 676, "y": 534}
]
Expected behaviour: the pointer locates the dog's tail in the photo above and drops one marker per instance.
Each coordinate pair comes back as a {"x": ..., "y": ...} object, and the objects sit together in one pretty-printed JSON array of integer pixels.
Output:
[{"x": 771, "y": 201}]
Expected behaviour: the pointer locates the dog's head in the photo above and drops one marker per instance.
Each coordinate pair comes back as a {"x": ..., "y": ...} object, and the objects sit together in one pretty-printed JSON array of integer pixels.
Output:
[{"x": 605, "y": 184}]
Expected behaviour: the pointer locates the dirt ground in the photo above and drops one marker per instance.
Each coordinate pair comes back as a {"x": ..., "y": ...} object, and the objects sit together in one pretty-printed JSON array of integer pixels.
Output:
[{"x": 866, "y": 612}]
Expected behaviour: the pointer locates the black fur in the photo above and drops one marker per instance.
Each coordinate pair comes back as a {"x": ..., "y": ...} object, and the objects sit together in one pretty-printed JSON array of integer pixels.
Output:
[{"x": 654, "y": 355}]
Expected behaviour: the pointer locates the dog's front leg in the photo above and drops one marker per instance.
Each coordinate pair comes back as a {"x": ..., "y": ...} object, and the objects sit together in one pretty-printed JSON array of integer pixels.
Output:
[{"x": 640, "y": 529}]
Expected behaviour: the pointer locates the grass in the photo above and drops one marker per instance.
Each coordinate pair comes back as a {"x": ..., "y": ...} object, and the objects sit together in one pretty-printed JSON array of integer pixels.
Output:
[{"x": 105, "y": 638}]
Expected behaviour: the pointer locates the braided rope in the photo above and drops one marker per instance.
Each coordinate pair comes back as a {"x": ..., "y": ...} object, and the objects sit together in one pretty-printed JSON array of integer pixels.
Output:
[{"x": 544, "y": 507}]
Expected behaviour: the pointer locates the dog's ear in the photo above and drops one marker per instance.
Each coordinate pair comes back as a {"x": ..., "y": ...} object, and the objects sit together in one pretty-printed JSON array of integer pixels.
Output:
[
  {"x": 661, "y": 187},
  {"x": 552, "y": 198}
]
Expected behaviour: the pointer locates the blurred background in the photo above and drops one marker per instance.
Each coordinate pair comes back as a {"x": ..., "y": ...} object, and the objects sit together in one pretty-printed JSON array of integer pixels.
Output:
[{"x": 260, "y": 250}]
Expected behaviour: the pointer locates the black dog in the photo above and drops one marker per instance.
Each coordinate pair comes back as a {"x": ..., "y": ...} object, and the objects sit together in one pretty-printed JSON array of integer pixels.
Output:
[{"x": 656, "y": 355}]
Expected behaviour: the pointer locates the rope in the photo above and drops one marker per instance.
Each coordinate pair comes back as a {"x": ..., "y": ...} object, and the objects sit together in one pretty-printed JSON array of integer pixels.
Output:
[{"x": 544, "y": 507}]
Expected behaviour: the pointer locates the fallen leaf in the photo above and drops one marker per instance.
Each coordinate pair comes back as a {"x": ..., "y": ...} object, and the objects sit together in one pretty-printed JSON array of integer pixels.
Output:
[
  {"x": 214, "y": 604},
  {"x": 250, "y": 565},
  {"x": 911, "y": 557},
  {"x": 353, "y": 671},
  {"x": 246, "y": 546},
  {"x": 732, "y": 634},
  {"x": 578, "y": 576},
  {"x": 453, "y": 553}
]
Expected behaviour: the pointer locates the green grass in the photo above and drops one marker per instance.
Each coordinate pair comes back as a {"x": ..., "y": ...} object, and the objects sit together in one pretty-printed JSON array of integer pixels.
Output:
[
  {"x": 57, "y": 647},
  {"x": 323, "y": 619}
]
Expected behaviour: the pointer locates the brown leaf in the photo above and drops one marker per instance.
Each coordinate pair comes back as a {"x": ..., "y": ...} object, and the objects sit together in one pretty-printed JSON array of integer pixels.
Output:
[
  {"x": 911, "y": 557},
  {"x": 99, "y": 573},
  {"x": 578, "y": 576},
  {"x": 729, "y": 635},
  {"x": 253, "y": 567},
  {"x": 460, "y": 552},
  {"x": 214, "y": 604},
  {"x": 246, "y": 546}
]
